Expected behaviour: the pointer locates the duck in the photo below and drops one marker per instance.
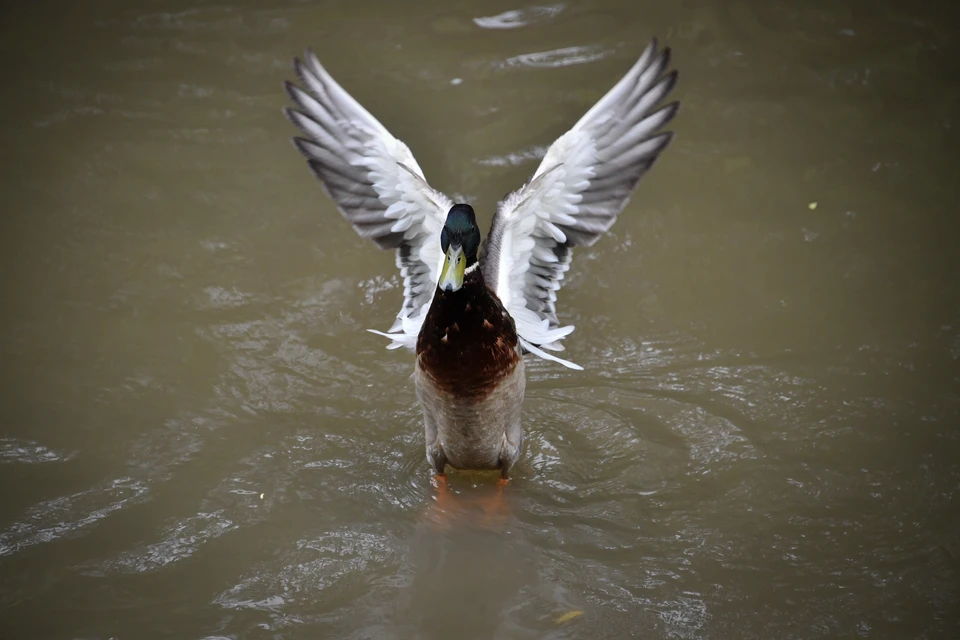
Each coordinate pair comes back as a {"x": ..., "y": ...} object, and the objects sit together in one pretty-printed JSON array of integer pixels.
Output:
[{"x": 473, "y": 309}]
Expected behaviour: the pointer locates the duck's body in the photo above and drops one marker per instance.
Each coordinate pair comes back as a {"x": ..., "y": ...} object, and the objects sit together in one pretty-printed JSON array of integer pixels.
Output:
[
  {"x": 471, "y": 317},
  {"x": 470, "y": 380}
]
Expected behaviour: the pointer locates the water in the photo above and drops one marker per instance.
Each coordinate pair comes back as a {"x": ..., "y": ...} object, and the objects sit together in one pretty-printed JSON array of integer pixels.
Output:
[{"x": 200, "y": 441}]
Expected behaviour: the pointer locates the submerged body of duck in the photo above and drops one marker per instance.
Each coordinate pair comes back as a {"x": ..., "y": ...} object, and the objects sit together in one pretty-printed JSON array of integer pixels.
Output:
[{"x": 471, "y": 315}]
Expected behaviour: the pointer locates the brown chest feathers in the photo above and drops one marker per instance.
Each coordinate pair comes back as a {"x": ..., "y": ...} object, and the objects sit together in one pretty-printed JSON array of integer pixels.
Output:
[{"x": 468, "y": 342}]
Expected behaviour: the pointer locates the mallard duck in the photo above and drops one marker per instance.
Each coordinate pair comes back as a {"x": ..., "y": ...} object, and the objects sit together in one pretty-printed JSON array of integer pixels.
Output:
[{"x": 471, "y": 313}]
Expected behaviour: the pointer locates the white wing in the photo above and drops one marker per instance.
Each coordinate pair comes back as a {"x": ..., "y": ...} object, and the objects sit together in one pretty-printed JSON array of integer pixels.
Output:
[
  {"x": 376, "y": 184},
  {"x": 576, "y": 194}
]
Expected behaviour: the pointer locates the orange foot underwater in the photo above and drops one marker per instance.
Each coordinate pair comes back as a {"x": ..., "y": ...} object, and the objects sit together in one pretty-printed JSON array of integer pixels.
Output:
[
  {"x": 495, "y": 508},
  {"x": 477, "y": 504}
]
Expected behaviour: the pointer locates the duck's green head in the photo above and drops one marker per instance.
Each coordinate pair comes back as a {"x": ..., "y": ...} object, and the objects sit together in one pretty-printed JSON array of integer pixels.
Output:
[{"x": 460, "y": 240}]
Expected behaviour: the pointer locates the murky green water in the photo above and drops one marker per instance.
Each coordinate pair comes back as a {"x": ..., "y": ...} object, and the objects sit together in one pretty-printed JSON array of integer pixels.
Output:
[{"x": 198, "y": 439}]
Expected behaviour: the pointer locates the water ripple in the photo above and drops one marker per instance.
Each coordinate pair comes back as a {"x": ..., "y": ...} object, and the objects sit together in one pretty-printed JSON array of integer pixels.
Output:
[
  {"x": 327, "y": 568},
  {"x": 516, "y": 18},
  {"x": 180, "y": 541},
  {"x": 151, "y": 459},
  {"x": 30, "y": 452},
  {"x": 514, "y": 159},
  {"x": 68, "y": 515},
  {"x": 554, "y": 58}
]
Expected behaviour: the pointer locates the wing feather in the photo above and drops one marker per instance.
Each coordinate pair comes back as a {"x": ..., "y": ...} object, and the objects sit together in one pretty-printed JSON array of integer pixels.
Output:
[
  {"x": 376, "y": 184},
  {"x": 578, "y": 190}
]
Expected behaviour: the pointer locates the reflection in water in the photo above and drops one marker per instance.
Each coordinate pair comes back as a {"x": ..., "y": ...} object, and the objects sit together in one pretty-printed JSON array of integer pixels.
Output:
[
  {"x": 465, "y": 581},
  {"x": 199, "y": 439}
]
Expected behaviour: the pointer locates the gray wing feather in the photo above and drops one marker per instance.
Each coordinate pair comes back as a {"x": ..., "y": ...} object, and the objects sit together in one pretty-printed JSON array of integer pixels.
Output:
[
  {"x": 375, "y": 182},
  {"x": 583, "y": 183}
]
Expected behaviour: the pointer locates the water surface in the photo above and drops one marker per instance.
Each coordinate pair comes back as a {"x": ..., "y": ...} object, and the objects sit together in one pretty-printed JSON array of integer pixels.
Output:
[{"x": 198, "y": 439}]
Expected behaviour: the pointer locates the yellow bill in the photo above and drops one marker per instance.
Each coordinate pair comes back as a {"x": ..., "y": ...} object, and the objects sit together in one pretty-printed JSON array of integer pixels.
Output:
[{"x": 454, "y": 264}]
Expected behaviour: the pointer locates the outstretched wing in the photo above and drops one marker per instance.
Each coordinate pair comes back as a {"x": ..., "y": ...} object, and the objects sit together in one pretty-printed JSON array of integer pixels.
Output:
[
  {"x": 376, "y": 184},
  {"x": 576, "y": 194}
]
